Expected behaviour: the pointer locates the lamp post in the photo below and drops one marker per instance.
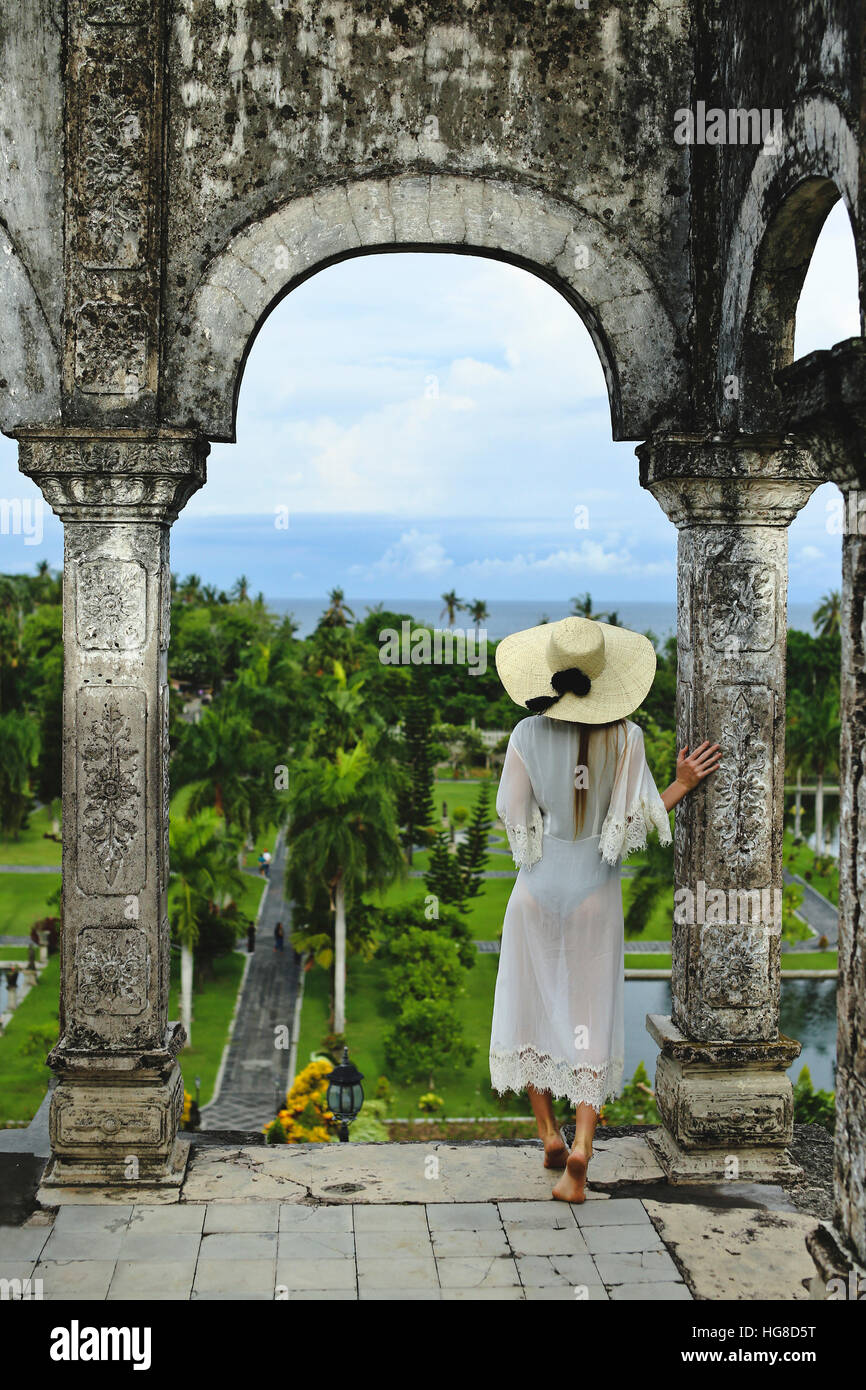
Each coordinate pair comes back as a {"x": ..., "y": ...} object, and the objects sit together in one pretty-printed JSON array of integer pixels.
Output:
[{"x": 345, "y": 1094}]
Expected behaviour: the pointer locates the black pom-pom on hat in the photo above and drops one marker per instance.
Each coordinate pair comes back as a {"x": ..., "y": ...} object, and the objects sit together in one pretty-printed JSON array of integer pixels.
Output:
[{"x": 572, "y": 681}]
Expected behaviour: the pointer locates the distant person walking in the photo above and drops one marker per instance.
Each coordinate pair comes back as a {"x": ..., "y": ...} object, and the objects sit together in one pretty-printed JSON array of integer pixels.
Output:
[
  {"x": 265, "y": 862},
  {"x": 251, "y": 938},
  {"x": 279, "y": 936}
]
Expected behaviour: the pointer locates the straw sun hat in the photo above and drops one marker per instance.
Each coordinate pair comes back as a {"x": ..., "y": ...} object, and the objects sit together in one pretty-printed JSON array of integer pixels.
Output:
[{"x": 577, "y": 669}]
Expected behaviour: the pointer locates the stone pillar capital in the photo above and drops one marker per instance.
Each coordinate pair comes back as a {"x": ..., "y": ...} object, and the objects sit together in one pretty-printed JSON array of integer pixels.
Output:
[
  {"x": 728, "y": 481},
  {"x": 124, "y": 475}
]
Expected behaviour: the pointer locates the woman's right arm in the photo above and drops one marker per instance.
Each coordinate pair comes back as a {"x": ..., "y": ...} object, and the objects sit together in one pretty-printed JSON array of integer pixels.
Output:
[{"x": 692, "y": 768}]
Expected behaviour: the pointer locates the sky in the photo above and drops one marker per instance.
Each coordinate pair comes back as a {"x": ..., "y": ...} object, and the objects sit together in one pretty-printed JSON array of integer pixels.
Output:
[{"x": 414, "y": 423}]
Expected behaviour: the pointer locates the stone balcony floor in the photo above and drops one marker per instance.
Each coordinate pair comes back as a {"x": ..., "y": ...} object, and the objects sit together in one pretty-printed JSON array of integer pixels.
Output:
[{"x": 438, "y": 1221}]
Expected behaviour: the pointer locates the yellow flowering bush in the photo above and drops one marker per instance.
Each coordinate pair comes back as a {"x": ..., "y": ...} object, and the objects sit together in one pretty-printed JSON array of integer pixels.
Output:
[
  {"x": 187, "y": 1102},
  {"x": 305, "y": 1118}
]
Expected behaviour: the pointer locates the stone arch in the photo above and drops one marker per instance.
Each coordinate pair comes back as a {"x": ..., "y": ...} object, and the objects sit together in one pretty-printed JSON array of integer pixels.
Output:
[
  {"x": 581, "y": 257},
  {"x": 795, "y": 181},
  {"x": 29, "y": 356}
]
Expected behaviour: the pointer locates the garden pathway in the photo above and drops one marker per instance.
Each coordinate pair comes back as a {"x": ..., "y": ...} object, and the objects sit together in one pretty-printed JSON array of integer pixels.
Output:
[{"x": 257, "y": 1064}]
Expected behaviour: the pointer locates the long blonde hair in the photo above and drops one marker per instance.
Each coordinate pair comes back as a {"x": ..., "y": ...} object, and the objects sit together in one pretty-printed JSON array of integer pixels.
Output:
[{"x": 582, "y": 757}]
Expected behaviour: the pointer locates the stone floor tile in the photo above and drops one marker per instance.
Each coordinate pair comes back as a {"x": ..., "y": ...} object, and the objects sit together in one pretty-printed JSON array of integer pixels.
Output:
[
  {"x": 154, "y": 1280},
  {"x": 22, "y": 1242},
  {"x": 463, "y": 1216},
  {"x": 478, "y": 1272},
  {"x": 619, "y": 1211},
  {"x": 82, "y": 1245},
  {"x": 74, "y": 1279},
  {"x": 154, "y": 1220},
  {"x": 295, "y": 1217},
  {"x": 617, "y": 1240},
  {"x": 316, "y": 1274},
  {"x": 457, "y": 1243},
  {"x": 241, "y": 1278},
  {"x": 239, "y": 1245},
  {"x": 241, "y": 1216},
  {"x": 316, "y": 1245},
  {"x": 639, "y": 1268},
  {"x": 392, "y": 1244},
  {"x": 160, "y": 1247},
  {"x": 369, "y": 1293},
  {"x": 663, "y": 1291},
  {"x": 14, "y": 1277},
  {"x": 111, "y": 1220},
  {"x": 547, "y": 1214},
  {"x": 507, "y": 1293},
  {"x": 407, "y": 1272},
  {"x": 564, "y": 1293},
  {"x": 386, "y": 1217},
  {"x": 540, "y": 1270},
  {"x": 319, "y": 1295},
  {"x": 548, "y": 1240}
]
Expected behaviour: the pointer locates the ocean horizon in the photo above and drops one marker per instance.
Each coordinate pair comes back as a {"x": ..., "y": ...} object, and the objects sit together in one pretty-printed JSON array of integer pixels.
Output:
[{"x": 512, "y": 615}]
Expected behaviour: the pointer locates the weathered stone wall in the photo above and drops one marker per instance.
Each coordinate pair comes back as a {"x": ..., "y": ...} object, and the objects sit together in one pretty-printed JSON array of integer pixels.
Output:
[{"x": 31, "y": 210}]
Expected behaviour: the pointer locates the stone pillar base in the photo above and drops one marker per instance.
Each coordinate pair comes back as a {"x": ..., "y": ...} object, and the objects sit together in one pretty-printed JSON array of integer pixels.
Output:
[
  {"x": 840, "y": 1278},
  {"x": 114, "y": 1118},
  {"x": 684, "y": 1166},
  {"x": 727, "y": 1108}
]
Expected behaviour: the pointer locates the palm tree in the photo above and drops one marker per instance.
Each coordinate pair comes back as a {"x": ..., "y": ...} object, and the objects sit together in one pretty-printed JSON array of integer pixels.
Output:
[
  {"x": 453, "y": 605},
  {"x": 344, "y": 831},
  {"x": 828, "y": 614},
  {"x": 796, "y": 755},
  {"x": 818, "y": 718},
  {"x": 478, "y": 612},
  {"x": 611, "y": 618},
  {"x": 241, "y": 589},
  {"x": 582, "y": 607},
  {"x": 190, "y": 589},
  {"x": 204, "y": 878},
  {"x": 338, "y": 612},
  {"x": 226, "y": 762}
]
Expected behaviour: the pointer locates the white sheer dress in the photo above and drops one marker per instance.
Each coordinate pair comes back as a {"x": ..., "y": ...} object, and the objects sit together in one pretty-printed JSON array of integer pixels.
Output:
[{"x": 557, "y": 1012}]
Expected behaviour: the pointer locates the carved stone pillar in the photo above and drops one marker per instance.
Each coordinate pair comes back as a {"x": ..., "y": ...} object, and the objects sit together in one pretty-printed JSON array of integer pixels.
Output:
[
  {"x": 115, "y": 1111},
  {"x": 721, "y": 1086},
  {"x": 826, "y": 398}
]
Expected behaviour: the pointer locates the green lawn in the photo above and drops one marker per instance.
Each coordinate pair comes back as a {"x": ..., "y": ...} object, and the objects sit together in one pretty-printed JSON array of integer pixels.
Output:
[
  {"x": 31, "y": 848},
  {"x": 24, "y": 900},
  {"x": 213, "y": 1004},
  {"x": 799, "y": 859},
  {"x": 467, "y": 1093},
  {"x": 30, "y": 1036}
]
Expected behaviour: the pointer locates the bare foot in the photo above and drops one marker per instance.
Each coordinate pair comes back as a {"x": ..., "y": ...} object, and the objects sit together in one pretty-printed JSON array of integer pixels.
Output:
[
  {"x": 555, "y": 1151},
  {"x": 571, "y": 1186}
]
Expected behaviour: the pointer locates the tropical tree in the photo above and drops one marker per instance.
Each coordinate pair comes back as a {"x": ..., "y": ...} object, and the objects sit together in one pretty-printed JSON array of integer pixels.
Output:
[
  {"x": 582, "y": 607},
  {"x": 453, "y": 605},
  {"x": 478, "y": 612},
  {"x": 337, "y": 613},
  {"x": 240, "y": 590},
  {"x": 343, "y": 829},
  {"x": 205, "y": 881},
  {"x": 827, "y": 615},
  {"x": 818, "y": 719},
  {"x": 19, "y": 755}
]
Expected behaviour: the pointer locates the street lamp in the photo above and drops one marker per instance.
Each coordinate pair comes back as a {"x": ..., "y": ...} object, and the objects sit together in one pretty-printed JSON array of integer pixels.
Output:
[{"x": 345, "y": 1094}]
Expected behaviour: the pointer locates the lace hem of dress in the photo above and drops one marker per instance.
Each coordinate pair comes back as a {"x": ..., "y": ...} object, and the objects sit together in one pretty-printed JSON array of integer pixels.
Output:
[
  {"x": 620, "y": 838},
  {"x": 525, "y": 840},
  {"x": 525, "y": 1066}
]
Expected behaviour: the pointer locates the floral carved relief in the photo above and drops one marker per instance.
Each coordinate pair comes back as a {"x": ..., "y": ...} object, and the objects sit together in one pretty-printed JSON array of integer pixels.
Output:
[
  {"x": 110, "y": 790},
  {"x": 111, "y": 598},
  {"x": 111, "y": 968},
  {"x": 741, "y": 606},
  {"x": 741, "y": 787}
]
